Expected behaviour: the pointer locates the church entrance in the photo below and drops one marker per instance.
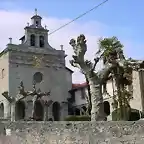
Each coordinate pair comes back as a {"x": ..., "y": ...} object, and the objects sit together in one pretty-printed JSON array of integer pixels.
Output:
[
  {"x": 56, "y": 111},
  {"x": 38, "y": 111},
  {"x": 107, "y": 108},
  {"x": 20, "y": 110}
]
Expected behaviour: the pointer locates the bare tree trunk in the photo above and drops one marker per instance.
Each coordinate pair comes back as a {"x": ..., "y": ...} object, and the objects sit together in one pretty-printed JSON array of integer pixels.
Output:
[
  {"x": 97, "y": 111},
  {"x": 89, "y": 107},
  {"x": 96, "y": 98}
]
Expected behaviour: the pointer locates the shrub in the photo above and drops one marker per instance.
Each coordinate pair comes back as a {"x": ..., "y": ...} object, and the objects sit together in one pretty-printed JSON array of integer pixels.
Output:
[
  {"x": 132, "y": 115},
  {"x": 116, "y": 115},
  {"x": 78, "y": 118}
]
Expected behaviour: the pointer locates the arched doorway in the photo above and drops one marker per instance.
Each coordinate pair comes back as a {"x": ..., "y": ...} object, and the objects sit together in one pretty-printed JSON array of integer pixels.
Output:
[
  {"x": 1, "y": 110},
  {"x": 20, "y": 110},
  {"x": 107, "y": 108},
  {"x": 38, "y": 111},
  {"x": 56, "y": 111}
]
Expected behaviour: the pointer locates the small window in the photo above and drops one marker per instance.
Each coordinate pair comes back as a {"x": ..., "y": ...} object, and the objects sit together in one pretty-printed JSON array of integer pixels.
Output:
[
  {"x": 82, "y": 93},
  {"x": 2, "y": 73},
  {"x": 41, "y": 41},
  {"x": 37, "y": 23},
  {"x": 32, "y": 40}
]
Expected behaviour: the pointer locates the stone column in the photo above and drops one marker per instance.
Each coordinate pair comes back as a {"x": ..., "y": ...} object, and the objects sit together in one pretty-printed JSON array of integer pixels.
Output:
[
  {"x": 13, "y": 111},
  {"x": 33, "y": 105},
  {"x": 37, "y": 40},
  {"x": 45, "y": 112},
  {"x": 29, "y": 108},
  {"x": 50, "y": 114},
  {"x": 7, "y": 110}
]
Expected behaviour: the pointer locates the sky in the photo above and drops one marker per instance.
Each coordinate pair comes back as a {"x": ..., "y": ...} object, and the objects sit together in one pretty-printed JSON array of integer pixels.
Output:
[{"x": 121, "y": 18}]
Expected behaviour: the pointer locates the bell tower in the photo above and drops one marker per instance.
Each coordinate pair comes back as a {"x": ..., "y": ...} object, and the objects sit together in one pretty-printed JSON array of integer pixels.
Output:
[
  {"x": 36, "y": 36},
  {"x": 36, "y": 20}
]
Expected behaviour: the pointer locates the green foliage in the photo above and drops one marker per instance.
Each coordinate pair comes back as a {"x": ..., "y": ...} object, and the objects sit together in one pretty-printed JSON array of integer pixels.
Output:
[
  {"x": 116, "y": 116},
  {"x": 134, "y": 115},
  {"x": 111, "y": 51},
  {"x": 109, "y": 46},
  {"x": 78, "y": 118}
]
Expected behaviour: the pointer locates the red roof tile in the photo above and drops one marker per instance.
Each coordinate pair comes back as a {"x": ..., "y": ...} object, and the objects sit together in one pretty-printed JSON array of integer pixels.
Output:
[{"x": 77, "y": 86}]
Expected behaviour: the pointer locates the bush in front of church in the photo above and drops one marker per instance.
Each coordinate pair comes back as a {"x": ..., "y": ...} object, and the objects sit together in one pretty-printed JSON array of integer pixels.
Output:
[{"x": 78, "y": 118}]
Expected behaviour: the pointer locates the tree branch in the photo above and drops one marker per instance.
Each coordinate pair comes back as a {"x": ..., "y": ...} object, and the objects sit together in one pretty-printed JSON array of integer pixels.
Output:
[{"x": 96, "y": 60}]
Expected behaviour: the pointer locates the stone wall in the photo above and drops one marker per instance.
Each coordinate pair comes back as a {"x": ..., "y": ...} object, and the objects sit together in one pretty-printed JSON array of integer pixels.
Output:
[{"x": 72, "y": 132}]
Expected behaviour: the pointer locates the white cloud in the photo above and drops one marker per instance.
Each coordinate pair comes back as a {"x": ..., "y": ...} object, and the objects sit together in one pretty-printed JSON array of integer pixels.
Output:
[{"x": 13, "y": 22}]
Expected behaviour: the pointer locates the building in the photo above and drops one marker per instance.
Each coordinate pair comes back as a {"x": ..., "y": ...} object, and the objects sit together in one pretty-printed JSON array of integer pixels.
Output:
[
  {"x": 79, "y": 92},
  {"x": 34, "y": 60}
]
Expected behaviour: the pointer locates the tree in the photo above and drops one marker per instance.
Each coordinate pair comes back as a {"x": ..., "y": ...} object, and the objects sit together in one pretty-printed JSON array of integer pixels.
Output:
[
  {"x": 94, "y": 79},
  {"x": 120, "y": 73},
  {"x": 22, "y": 94},
  {"x": 116, "y": 68}
]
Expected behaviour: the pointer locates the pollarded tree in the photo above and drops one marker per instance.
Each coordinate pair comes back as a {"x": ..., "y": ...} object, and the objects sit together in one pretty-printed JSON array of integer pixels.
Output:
[{"x": 94, "y": 79}]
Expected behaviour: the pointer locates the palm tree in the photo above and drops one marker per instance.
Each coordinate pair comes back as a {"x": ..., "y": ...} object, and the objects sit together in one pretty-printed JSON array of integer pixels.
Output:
[{"x": 120, "y": 72}]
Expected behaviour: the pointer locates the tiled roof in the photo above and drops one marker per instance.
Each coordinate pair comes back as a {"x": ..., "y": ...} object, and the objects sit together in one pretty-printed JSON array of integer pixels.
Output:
[{"x": 77, "y": 86}]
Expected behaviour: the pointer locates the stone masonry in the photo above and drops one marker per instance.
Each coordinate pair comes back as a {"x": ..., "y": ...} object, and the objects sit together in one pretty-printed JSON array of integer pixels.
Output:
[
  {"x": 72, "y": 132},
  {"x": 34, "y": 61}
]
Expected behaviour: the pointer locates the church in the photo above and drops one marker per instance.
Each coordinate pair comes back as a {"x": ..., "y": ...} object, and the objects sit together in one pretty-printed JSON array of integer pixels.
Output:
[
  {"x": 35, "y": 83},
  {"x": 34, "y": 79}
]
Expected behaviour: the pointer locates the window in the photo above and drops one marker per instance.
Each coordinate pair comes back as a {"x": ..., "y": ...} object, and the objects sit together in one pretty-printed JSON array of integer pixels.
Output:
[
  {"x": 41, "y": 41},
  {"x": 2, "y": 73},
  {"x": 82, "y": 93},
  {"x": 38, "y": 77},
  {"x": 32, "y": 40},
  {"x": 37, "y": 23}
]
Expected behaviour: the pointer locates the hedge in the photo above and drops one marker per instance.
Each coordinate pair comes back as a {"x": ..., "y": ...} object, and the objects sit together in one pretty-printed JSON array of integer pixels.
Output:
[{"x": 77, "y": 118}]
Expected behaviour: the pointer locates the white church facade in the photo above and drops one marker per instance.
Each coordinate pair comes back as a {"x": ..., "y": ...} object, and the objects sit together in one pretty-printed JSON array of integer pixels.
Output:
[{"x": 38, "y": 67}]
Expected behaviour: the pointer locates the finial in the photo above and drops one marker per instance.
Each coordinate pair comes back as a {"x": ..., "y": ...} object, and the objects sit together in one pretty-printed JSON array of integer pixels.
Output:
[
  {"x": 61, "y": 47},
  {"x": 28, "y": 24},
  {"x": 35, "y": 11},
  {"x": 10, "y": 40}
]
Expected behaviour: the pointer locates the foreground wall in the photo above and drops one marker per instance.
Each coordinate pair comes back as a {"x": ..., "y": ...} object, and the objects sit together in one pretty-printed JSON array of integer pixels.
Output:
[{"x": 70, "y": 132}]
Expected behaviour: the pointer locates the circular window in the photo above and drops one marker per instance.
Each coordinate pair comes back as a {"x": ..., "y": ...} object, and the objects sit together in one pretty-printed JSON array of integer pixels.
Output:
[{"x": 38, "y": 77}]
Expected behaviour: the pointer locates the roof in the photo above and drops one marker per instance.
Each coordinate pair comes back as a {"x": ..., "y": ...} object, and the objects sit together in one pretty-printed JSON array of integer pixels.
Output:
[
  {"x": 36, "y": 17},
  {"x": 23, "y": 37},
  {"x": 79, "y": 86},
  {"x": 69, "y": 69}
]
